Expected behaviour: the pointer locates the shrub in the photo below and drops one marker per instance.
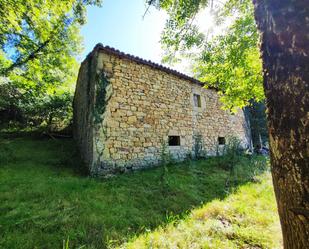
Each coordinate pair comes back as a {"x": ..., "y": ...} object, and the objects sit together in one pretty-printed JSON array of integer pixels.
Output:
[
  {"x": 25, "y": 109},
  {"x": 230, "y": 154},
  {"x": 54, "y": 111},
  {"x": 199, "y": 151},
  {"x": 232, "y": 157}
]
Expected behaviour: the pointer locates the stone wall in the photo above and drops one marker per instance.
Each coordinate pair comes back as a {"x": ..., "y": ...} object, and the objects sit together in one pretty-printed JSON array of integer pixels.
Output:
[
  {"x": 143, "y": 106},
  {"x": 83, "y": 109}
]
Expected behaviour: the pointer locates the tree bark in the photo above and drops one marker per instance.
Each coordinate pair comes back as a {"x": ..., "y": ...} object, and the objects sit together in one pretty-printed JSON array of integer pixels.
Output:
[{"x": 284, "y": 28}]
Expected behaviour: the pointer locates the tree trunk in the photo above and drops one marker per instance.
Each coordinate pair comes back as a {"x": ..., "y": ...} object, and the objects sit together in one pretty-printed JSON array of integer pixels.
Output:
[{"x": 284, "y": 27}]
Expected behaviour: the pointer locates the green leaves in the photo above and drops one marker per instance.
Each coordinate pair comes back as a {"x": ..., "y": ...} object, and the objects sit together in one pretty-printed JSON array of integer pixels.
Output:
[
  {"x": 229, "y": 61},
  {"x": 32, "y": 29},
  {"x": 180, "y": 32},
  {"x": 39, "y": 41}
]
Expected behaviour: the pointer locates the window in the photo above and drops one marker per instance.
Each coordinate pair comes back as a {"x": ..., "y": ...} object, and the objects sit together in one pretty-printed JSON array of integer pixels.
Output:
[
  {"x": 173, "y": 140},
  {"x": 221, "y": 140},
  {"x": 197, "y": 100}
]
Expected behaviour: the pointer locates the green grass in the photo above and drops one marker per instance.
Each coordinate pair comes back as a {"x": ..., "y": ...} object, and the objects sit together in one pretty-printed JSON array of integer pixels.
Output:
[
  {"x": 245, "y": 219},
  {"x": 45, "y": 199}
]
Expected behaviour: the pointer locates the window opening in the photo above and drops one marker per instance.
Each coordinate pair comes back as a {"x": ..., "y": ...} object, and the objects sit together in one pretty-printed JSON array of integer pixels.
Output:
[
  {"x": 173, "y": 140},
  {"x": 221, "y": 140},
  {"x": 197, "y": 100}
]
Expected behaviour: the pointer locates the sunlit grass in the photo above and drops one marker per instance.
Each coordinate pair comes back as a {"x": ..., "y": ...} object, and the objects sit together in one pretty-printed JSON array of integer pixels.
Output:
[
  {"x": 45, "y": 200},
  {"x": 245, "y": 219}
]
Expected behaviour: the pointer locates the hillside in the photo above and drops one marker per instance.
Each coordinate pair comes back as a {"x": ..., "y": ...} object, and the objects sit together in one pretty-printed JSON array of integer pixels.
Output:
[{"x": 46, "y": 200}]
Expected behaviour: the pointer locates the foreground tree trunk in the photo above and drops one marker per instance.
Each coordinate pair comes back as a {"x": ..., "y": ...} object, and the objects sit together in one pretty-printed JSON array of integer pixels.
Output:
[{"x": 284, "y": 26}]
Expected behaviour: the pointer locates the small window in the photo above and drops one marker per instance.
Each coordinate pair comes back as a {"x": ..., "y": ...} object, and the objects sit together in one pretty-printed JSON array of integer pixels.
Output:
[
  {"x": 173, "y": 140},
  {"x": 197, "y": 100},
  {"x": 221, "y": 140}
]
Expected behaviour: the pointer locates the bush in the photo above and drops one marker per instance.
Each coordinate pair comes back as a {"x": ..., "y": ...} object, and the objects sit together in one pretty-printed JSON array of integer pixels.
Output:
[
  {"x": 55, "y": 111},
  {"x": 230, "y": 154},
  {"x": 25, "y": 109},
  {"x": 232, "y": 157}
]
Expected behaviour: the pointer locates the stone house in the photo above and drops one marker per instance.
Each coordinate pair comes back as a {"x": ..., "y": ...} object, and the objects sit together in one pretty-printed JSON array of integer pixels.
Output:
[{"x": 128, "y": 112}]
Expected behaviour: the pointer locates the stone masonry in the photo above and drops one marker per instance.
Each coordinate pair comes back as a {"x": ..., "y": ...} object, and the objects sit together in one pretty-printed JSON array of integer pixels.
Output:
[{"x": 128, "y": 112}]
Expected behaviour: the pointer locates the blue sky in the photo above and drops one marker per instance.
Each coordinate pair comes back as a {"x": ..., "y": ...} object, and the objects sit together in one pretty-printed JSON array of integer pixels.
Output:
[{"x": 119, "y": 23}]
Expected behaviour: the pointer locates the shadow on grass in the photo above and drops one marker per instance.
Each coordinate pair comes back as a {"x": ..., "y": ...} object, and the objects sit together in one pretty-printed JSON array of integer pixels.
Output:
[{"x": 45, "y": 200}]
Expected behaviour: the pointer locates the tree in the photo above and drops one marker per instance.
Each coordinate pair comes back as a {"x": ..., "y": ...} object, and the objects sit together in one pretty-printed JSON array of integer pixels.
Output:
[
  {"x": 39, "y": 43},
  {"x": 284, "y": 28},
  {"x": 33, "y": 28},
  {"x": 229, "y": 61}
]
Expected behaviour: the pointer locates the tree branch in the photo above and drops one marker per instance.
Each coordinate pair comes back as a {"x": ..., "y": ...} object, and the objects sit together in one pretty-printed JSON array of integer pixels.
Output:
[{"x": 20, "y": 61}]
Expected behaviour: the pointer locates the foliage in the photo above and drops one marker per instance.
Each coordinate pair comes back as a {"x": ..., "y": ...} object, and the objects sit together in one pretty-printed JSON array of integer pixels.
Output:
[
  {"x": 51, "y": 110},
  {"x": 180, "y": 32},
  {"x": 39, "y": 42},
  {"x": 199, "y": 147},
  {"x": 43, "y": 194},
  {"x": 166, "y": 157},
  {"x": 230, "y": 154},
  {"x": 229, "y": 61},
  {"x": 166, "y": 160},
  {"x": 100, "y": 104},
  {"x": 231, "y": 157},
  {"x": 257, "y": 117},
  {"x": 35, "y": 30}
]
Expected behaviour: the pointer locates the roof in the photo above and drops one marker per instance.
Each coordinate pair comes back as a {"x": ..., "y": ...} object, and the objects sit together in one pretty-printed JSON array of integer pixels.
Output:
[{"x": 139, "y": 60}]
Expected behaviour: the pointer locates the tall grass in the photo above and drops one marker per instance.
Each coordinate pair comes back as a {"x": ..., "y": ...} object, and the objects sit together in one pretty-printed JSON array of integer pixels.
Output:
[
  {"x": 245, "y": 219},
  {"x": 45, "y": 199}
]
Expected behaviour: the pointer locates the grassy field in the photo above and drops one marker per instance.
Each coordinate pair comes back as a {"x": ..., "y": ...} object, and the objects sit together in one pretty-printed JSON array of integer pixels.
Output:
[
  {"x": 245, "y": 219},
  {"x": 45, "y": 199}
]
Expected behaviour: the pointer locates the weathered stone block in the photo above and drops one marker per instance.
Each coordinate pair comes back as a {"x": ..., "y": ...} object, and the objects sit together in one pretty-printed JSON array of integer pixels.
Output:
[{"x": 132, "y": 119}]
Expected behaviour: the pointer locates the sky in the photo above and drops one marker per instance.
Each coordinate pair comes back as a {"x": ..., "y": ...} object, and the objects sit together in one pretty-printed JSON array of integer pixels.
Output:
[{"x": 120, "y": 24}]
